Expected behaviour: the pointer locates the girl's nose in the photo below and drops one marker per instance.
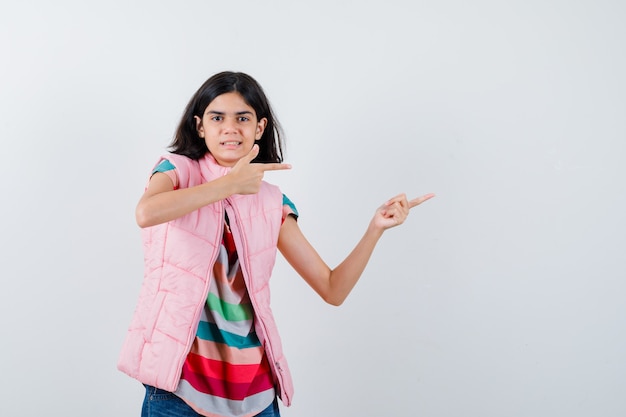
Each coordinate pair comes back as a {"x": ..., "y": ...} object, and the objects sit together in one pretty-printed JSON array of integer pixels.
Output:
[{"x": 230, "y": 125}]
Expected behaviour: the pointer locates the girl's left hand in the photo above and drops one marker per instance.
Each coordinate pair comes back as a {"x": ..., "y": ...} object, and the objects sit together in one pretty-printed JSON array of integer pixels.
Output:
[{"x": 395, "y": 211}]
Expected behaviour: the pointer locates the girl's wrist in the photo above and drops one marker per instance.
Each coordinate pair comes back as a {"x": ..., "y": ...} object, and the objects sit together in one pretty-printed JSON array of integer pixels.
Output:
[
  {"x": 375, "y": 230},
  {"x": 221, "y": 188}
]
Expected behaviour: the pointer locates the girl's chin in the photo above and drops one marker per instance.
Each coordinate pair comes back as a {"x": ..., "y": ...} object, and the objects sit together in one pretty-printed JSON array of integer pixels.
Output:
[{"x": 228, "y": 155}]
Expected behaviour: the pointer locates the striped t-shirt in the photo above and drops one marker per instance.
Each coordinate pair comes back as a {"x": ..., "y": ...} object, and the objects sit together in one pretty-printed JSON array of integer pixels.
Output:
[{"x": 226, "y": 373}]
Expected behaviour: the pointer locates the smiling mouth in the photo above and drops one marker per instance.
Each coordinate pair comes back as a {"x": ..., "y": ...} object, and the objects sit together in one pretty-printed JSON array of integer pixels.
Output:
[{"x": 231, "y": 143}]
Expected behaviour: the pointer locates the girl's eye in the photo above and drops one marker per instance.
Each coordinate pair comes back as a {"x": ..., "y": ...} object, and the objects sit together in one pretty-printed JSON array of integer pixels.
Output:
[
  {"x": 243, "y": 119},
  {"x": 216, "y": 118}
]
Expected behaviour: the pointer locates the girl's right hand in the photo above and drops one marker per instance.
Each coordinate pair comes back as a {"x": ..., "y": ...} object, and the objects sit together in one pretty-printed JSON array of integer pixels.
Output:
[{"x": 246, "y": 176}]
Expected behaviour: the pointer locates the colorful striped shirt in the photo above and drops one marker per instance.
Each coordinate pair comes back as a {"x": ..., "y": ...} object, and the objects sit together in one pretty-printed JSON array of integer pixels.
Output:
[{"x": 226, "y": 373}]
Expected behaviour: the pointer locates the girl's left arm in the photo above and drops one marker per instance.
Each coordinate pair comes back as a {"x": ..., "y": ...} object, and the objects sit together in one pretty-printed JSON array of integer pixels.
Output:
[{"x": 334, "y": 285}]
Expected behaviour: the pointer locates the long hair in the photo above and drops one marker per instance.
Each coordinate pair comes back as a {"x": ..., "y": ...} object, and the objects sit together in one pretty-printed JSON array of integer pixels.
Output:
[{"x": 187, "y": 142}]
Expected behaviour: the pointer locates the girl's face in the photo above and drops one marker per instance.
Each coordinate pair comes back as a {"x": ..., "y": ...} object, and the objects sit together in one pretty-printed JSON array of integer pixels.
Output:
[{"x": 229, "y": 127}]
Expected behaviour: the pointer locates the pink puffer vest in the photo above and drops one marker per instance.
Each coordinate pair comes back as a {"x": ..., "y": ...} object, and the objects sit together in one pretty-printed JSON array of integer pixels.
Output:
[{"x": 179, "y": 257}]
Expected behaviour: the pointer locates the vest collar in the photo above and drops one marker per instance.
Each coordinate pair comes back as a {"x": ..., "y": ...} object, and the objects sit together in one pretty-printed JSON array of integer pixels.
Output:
[{"x": 211, "y": 169}]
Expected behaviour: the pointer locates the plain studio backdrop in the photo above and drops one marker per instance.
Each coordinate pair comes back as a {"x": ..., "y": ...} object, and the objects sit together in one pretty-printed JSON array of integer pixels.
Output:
[{"x": 503, "y": 296}]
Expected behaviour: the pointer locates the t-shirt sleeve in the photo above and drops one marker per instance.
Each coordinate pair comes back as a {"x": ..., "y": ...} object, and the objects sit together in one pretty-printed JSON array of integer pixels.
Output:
[
  {"x": 167, "y": 168},
  {"x": 289, "y": 209}
]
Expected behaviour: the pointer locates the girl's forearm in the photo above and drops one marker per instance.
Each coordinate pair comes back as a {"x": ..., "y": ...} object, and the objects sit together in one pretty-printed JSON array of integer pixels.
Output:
[
  {"x": 345, "y": 276},
  {"x": 166, "y": 206}
]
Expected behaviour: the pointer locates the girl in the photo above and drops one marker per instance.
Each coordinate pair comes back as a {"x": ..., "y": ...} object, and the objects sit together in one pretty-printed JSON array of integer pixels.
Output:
[{"x": 203, "y": 340}]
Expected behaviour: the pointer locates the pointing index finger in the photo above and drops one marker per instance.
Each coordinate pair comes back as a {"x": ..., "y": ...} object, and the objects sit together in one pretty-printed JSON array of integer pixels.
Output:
[
  {"x": 274, "y": 166},
  {"x": 419, "y": 200}
]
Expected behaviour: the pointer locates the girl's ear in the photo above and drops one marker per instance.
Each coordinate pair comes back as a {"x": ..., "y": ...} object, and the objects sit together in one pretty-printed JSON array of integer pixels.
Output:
[
  {"x": 199, "y": 127},
  {"x": 260, "y": 128}
]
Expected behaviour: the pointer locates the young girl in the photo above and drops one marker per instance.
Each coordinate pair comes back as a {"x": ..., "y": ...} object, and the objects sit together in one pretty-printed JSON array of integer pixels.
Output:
[{"x": 203, "y": 340}]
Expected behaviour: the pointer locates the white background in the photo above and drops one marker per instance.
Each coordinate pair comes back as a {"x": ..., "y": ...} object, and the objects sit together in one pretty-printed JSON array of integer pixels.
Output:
[{"x": 503, "y": 296}]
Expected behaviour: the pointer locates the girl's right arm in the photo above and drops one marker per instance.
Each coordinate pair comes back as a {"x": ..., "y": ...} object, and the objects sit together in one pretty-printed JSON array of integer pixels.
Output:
[{"x": 160, "y": 203}]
